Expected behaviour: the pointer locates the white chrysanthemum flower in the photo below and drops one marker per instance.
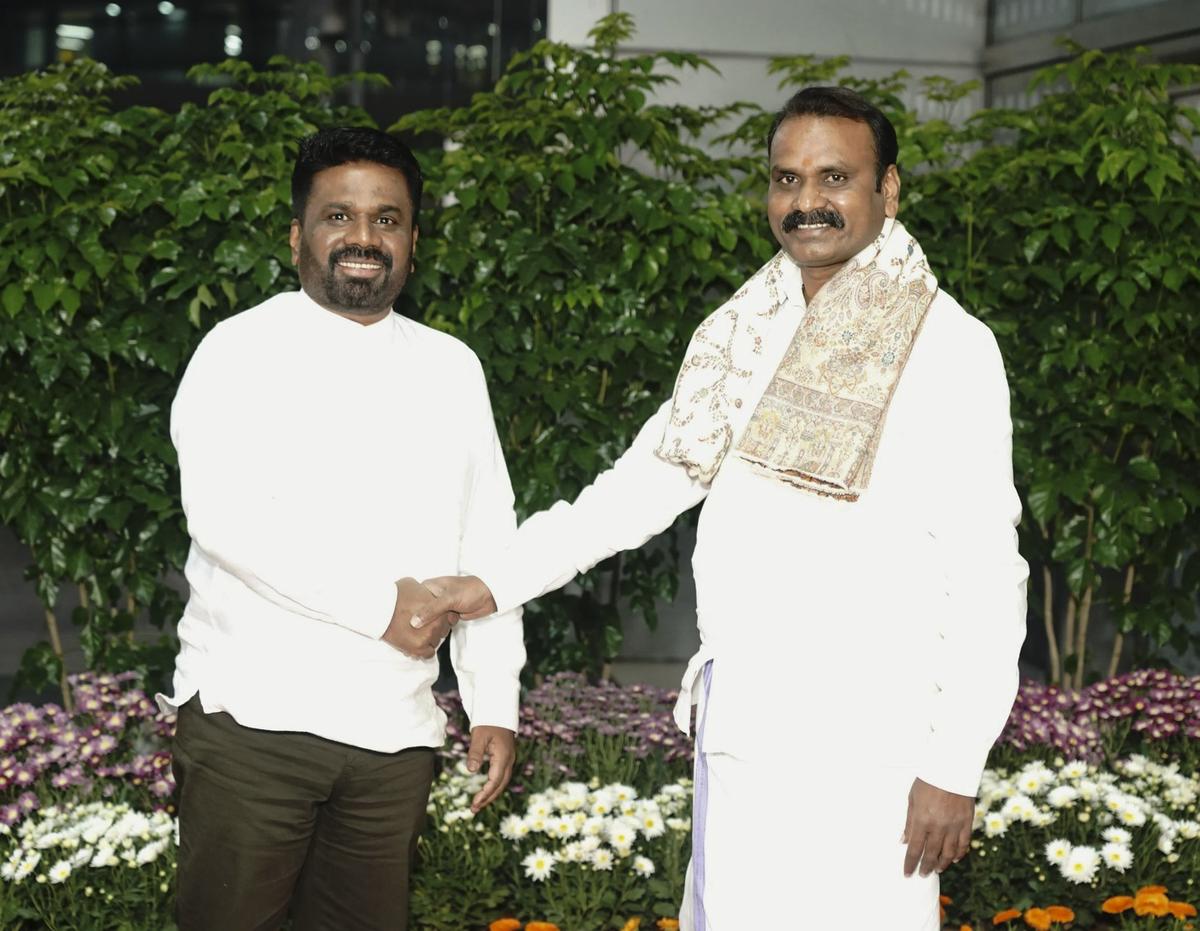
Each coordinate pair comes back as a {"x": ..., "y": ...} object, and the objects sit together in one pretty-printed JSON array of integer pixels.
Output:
[
  {"x": 150, "y": 852},
  {"x": 1117, "y": 836},
  {"x": 28, "y": 864},
  {"x": 623, "y": 793},
  {"x": 539, "y": 807},
  {"x": 1075, "y": 769},
  {"x": 1043, "y": 818},
  {"x": 593, "y": 827},
  {"x": 1089, "y": 791},
  {"x": 1057, "y": 851},
  {"x": 571, "y": 852},
  {"x": 59, "y": 872},
  {"x": 539, "y": 864},
  {"x": 650, "y": 823},
  {"x": 81, "y": 857},
  {"x": 1136, "y": 765},
  {"x": 561, "y": 827},
  {"x": 1166, "y": 844},
  {"x": 602, "y": 803},
  {"x": 1116, "y": 856},
  {"x": 513, "y": 827},
  {"x": 994, "y": 824},
  {"x": 536, "y": 822},
  {"x": 1033, "y": 778},
  {"x": 602, "y": 859},
  {"x": 590, "y": 844},
  {"x": 1080, "y": 866},
  {"x": 643, "y": 866},
  {"x": 1188, "y": 830},
  {"x": 1062, "y": 796},
  {"x": 621, "y": 832},
  {"x": 679, "y": 824},
  {"x": 579, "y": 819},
  {"x": 7, "y": 870},
  {"x": 1132, "y": 814},
  {"x": 105, "y": 856}
]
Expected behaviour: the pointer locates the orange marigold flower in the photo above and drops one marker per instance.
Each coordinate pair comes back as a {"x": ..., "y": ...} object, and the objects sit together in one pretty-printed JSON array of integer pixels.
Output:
[
  {"x": 667, "y": 924},
  {"x": 505, "y": 924},
  {"x": 1181, "y": 909},
  {"x": 1117, "y": 904},
  {"x": 1038, "y": 919},
  {"x": 1151, "y": 890},
  {"x": 1151, "y": 903},
  {"x": 966, "y": 928},
  {"x": 1060, "y": 913},
  {"x": 1007, "y": 915},
  {"x": 945, "y": 899},
  {"x": 632, "y": 924},
  {"x": 541, "y": 926}
]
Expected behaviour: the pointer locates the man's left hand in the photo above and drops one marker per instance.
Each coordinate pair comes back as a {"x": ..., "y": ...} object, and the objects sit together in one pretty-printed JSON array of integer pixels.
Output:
[
  {"x": 938, "y": 829},
  {"x": 498, "y": 746}
]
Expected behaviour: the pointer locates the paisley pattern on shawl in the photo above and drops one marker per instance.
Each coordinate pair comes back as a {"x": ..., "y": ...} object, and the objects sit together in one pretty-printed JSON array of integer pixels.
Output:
[{"x": 818, "y": 423}]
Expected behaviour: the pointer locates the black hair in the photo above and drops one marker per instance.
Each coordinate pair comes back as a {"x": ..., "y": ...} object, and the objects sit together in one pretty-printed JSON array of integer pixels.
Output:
[
  {"x": 339, "y": 145},
  {"x": 849, "y": 105}
]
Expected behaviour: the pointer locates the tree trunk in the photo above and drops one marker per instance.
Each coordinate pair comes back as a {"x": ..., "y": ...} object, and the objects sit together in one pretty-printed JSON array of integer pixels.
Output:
[
  {"x": 1114, "y": 661},
  {"x": 1085, "y": 614},
  {"x": 1048, "y": 616}
]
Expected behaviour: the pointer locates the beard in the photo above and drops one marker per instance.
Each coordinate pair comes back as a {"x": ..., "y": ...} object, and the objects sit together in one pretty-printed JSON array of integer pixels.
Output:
[{"x": 353, "y": 295}]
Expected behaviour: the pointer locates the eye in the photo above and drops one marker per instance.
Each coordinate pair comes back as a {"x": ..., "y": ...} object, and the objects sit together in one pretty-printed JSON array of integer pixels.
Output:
[
  {"x": 836, "y": 178},
  {"x": 337, "y": 216},
  {"x": 787, "y": 178},
  {"x": 388, "y": 221}
]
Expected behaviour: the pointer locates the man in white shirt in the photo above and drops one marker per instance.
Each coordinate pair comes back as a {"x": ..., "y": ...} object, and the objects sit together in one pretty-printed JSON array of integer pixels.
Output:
[
  {"x": 303, "y": 751},
  {"x": 860, "y": 597}
]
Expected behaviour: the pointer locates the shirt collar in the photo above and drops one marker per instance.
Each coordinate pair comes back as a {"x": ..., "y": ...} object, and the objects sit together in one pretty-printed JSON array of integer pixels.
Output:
[{"x": 337, "y": 327}]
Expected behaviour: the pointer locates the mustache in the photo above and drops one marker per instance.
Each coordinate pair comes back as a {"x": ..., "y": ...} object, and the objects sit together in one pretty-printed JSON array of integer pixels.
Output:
[
  {"x": 824, "y": 215},
  {"x": 361, "y": 254}
]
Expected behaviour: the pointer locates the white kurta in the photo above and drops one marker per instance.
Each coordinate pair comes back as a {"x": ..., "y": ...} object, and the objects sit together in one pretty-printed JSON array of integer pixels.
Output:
[
  {"x": 855, "y": 646},
  {"x": 305, "y": 500}
]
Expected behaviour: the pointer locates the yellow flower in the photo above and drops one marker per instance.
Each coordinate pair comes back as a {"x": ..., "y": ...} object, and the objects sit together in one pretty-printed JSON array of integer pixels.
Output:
[{"x": 632, "y": 924}]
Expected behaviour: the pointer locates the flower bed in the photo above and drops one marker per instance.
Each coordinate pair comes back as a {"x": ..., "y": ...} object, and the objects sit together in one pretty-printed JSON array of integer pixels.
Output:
[{"x": 1087, "y": 816}]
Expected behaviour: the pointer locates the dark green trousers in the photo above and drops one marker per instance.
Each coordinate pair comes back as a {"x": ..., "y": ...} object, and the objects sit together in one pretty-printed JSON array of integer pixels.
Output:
[{"x": 275, "y": 823}]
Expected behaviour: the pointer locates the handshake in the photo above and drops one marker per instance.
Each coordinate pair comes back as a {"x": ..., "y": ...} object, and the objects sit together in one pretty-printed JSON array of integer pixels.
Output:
[{"x": 425, "y": 611}]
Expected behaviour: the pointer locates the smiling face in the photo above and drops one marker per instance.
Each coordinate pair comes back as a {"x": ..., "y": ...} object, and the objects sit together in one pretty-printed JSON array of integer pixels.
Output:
[
  {"x": 822, "y": 203},
  {"x": 353, "y": 248}
]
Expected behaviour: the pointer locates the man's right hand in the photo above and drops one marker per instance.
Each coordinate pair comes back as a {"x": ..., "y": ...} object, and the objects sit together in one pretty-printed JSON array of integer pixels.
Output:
[
  {"x": 466, "y": 596},
  {"x": 422, "y": 643}
]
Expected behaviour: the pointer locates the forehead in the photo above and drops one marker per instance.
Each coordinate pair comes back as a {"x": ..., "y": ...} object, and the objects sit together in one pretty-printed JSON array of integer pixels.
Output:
[
  {"x": 362, "y": 183},
  {"x": 801, "y": 139}
]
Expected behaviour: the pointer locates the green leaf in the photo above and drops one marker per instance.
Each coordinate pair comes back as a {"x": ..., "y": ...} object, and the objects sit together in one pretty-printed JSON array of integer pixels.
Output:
[
  {"x": 1143, "y": 468},
  {"x": 14, "y": 298}
]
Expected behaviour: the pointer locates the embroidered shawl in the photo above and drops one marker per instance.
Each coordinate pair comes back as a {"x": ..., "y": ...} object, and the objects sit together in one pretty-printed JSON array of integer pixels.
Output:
[{"x": 818, "y": 423}]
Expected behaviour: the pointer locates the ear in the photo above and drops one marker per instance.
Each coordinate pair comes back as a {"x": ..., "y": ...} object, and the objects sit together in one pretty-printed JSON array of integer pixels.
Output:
[
  {"x": 891, "y": 191},
  {"x": 412, "y": 249},
  {"x": 294, "y": 241}
]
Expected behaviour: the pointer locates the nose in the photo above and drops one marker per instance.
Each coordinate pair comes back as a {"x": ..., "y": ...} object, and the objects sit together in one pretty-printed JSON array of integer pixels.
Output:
[
  {"x": 807, "y": 196},
  {"x": 363, "y": 232}
]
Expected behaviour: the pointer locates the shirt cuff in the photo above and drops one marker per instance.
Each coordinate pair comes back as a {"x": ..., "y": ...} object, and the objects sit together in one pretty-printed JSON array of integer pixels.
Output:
[
  {"x": 950, "y": 767},
  {"x": 368, "y": 609},
  {"x": 490, "y": 700}
]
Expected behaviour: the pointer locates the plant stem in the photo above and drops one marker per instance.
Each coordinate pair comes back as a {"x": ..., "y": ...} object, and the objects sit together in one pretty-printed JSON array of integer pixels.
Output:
[
  {"x": 56, "y": 645},
  {"x": 1114, "y": 661},
  {"x": 1085, "y": 613}
]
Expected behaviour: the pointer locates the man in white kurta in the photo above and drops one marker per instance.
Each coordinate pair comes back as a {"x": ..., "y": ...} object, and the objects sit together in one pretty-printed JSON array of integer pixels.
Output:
[
  {"x": 304, "y": 750},
  {"x": 858, "y": 642}
]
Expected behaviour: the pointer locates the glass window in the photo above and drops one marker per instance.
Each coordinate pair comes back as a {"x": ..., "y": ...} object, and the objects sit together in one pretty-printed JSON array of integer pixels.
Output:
[{"x": 434, "y": 52}]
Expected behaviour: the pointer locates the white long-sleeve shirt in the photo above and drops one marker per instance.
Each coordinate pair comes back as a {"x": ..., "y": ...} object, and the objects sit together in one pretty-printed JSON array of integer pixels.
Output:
[
  {"x": 880, "y": 632},
  {"x": 322, "y": 460}
]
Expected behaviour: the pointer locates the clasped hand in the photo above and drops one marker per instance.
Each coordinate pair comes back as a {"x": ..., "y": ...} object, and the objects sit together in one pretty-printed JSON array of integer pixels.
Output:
[{"x": 418, "y": 642}]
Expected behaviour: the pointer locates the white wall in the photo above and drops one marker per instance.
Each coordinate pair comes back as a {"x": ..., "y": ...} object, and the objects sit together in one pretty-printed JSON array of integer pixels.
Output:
[{"x": 943, "y": 37}]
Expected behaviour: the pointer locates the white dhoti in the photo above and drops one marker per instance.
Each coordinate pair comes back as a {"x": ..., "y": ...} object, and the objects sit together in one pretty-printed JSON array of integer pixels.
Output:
[{"x": 800, "y": 843}]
